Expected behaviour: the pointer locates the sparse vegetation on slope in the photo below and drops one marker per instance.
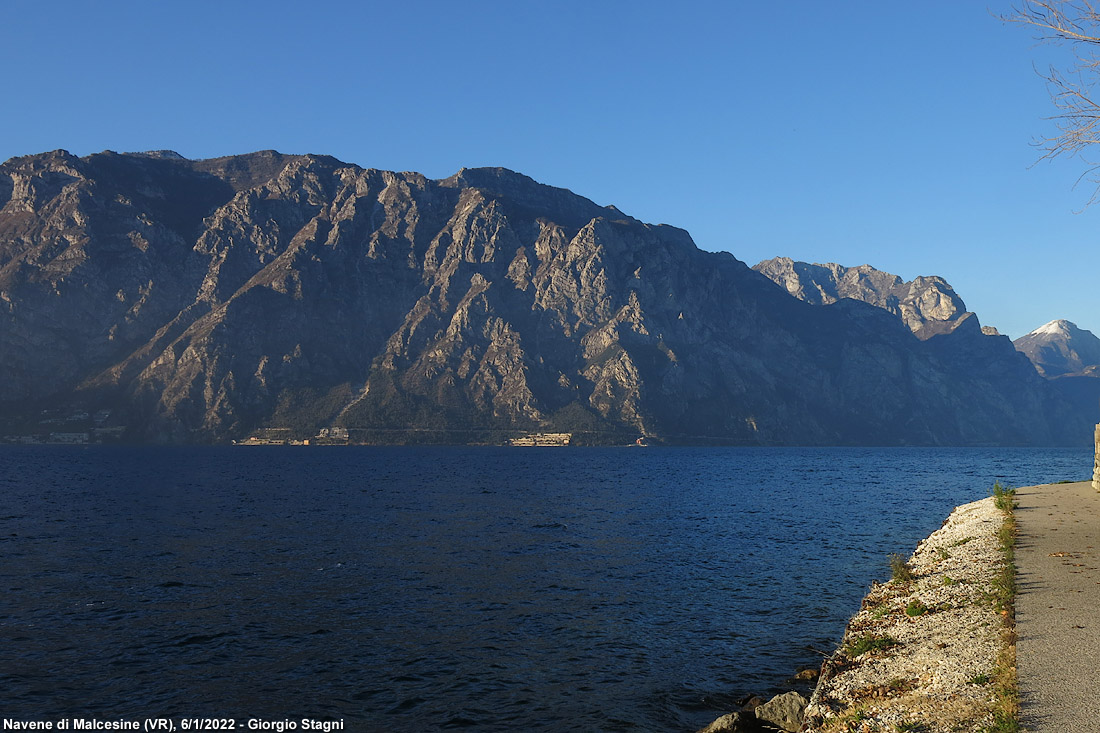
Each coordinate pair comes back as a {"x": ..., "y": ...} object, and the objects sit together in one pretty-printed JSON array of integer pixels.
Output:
[
  {"x": 933, "y": 650},
  {"x": 1006, "y": 701}
]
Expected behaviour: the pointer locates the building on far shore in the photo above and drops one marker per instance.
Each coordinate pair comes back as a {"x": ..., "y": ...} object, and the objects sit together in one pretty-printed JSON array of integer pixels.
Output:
[
  {"x": 267, "y": 436},
  {"x": 284, "y": 436},
  {"x": 542, "y": 439}
]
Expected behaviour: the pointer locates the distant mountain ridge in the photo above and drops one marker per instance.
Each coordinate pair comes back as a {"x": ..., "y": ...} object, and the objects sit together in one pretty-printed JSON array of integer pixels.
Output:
[
  {"x": 927, "y": 305},
  {"x": 1060, "y": 348},
  {"x": 205, "y": 300}
]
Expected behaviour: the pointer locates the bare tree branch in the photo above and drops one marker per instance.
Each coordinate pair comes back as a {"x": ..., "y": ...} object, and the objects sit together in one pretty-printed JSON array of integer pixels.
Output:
[{"x": 1074, "y": 91}]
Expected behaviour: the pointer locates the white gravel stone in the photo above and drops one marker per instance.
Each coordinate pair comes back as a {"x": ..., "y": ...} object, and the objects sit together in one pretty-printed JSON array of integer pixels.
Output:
[{"x": 936, "y": 675}]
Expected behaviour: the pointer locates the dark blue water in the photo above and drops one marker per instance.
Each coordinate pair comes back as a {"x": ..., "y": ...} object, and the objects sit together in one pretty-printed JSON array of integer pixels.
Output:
[{"x": 436, "y": 588}]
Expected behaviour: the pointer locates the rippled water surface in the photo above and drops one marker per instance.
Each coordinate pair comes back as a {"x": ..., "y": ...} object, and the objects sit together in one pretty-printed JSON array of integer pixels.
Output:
[{"x": 435, "y": 588}]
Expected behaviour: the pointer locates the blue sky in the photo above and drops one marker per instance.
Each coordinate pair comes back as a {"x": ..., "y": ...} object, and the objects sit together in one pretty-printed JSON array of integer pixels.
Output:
[{"x": 893, "y": 134}]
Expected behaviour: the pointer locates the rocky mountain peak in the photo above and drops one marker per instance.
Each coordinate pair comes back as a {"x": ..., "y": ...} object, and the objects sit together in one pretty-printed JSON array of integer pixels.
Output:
[
  {"x": 161, "y": 154},
  {"x": 927, "y": 304},
  {"x": 243, "y": 172},
  {"x": 1059, "y": 348},
  {"x": 530, "y": 197},
  {"x": 1059, "y": 328}
]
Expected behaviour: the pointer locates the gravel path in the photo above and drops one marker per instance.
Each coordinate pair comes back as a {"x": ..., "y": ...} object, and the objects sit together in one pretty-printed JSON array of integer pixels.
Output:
[{"x": 1058, "y": 607}]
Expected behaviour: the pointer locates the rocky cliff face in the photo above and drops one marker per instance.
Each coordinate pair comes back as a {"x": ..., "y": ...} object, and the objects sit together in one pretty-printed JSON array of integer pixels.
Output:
[
  {"x": 927, "y": 305},
  {"x": 201, "y": 300},
  {"x": 1060, "y": 348}
]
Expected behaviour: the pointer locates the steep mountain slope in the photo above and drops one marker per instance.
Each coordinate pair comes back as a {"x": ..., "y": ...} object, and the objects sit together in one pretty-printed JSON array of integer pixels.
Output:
[
  {"x": 1060, "y": 348},
  {"x": 201, "y": 300}
]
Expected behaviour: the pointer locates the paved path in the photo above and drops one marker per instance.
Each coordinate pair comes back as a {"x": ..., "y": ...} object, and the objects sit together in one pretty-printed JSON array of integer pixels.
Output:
[{"x": 1058, "y": 607}]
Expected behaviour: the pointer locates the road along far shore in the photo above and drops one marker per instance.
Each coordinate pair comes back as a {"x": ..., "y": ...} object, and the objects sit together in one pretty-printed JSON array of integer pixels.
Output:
[
  {"x": 924, "y": 650},
  {"x": 1058, "y": 607}
]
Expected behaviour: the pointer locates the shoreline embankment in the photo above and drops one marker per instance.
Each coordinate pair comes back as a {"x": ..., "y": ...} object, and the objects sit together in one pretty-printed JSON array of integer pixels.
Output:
[{"x": 924, "y": 650}]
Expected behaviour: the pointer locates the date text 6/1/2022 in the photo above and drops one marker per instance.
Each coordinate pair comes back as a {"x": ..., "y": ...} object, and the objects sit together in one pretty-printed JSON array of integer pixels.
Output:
[{"x": 278, "y": 726}]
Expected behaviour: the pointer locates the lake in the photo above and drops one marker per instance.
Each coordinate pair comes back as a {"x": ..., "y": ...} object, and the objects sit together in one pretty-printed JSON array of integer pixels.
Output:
[{"x": 410, "y": 589}]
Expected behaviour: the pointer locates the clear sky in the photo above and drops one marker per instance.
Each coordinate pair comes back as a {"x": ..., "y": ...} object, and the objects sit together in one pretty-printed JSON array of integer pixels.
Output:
[{"x": 855, "y": 131}]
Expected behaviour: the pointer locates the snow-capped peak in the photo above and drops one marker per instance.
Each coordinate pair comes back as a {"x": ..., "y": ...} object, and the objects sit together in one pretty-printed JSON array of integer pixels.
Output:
[{"x": 1054, "y": 328}]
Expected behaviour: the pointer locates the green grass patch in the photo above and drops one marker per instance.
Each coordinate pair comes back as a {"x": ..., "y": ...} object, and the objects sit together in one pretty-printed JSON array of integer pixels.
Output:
[
  {"x": 900, "y": 684},
  {"x": 869, "y": 643},
  {"x": 1003, "y": 722},
  {"x": 852, "y": 719},
  {"x": 915, "y": 608},
  {"x": 912, "y": 727},
  {"x": 1004, "y": 498},
  {"x": 1006, "y": 697},
  {"x": 900, "y": 572}
]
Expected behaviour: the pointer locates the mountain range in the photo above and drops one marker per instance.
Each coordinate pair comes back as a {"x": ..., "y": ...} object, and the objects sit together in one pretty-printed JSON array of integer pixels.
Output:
[{"x": 180, "y": 300}]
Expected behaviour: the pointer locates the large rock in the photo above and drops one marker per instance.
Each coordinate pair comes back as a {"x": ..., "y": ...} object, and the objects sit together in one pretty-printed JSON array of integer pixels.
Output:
[
  {"x": 735, "y": 723},
  {"x": 785, "y": 711}
]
